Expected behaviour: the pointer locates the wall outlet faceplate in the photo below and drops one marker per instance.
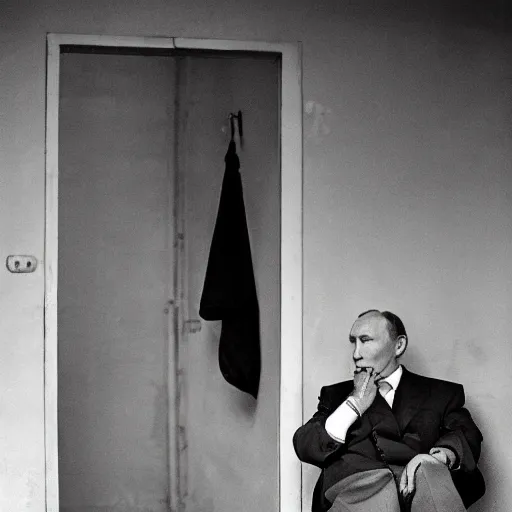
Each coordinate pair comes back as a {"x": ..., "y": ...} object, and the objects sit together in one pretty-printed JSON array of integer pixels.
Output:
[{"x": 21, "y": 264}]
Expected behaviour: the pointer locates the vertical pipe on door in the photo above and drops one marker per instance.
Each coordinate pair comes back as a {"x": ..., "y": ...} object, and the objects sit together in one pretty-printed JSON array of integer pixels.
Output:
[
  {"x": 180, "y": 274},
  {"x": 171, "y": 309}
]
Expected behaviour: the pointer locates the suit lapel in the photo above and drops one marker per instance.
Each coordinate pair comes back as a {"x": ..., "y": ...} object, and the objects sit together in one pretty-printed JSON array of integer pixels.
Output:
[{"x": 411, "y": 392}]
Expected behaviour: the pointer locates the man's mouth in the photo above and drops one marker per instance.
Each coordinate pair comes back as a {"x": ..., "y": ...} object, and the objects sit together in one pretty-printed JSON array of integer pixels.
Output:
[{"x": 364, "y": 368}]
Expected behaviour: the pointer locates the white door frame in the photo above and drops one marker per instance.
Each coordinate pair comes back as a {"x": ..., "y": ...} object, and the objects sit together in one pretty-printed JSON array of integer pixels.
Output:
[{"x": 290, "y": 402}]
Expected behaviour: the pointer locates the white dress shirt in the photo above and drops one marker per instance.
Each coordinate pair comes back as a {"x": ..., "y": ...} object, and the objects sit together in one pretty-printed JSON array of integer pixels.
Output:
[{"x": 339, "y": 421}]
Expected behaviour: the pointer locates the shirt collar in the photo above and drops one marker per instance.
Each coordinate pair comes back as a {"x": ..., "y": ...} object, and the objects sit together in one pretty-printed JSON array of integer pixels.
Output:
[{"x": 394, "y": 379}]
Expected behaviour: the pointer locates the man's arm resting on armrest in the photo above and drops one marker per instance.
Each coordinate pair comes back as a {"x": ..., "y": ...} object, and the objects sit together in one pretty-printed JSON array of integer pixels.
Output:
[{"x": 460, "y": 434}]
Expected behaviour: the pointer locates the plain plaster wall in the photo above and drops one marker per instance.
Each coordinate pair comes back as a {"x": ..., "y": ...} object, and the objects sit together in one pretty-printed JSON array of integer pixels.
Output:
[{"x": 406, "y": 200}]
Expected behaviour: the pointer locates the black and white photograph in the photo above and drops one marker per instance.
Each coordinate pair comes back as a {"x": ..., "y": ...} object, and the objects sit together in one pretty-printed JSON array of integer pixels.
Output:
[{"x": 257, "y": 256}]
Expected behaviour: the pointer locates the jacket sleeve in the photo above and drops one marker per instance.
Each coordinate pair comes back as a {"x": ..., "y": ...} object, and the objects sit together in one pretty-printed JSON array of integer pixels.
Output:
[
  {"x": 312, "y": 443},
  {"x": 460, "y": 433}
]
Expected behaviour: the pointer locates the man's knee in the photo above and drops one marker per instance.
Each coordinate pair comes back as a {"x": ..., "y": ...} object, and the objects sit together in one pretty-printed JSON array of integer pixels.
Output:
[
  {"x": 435, "y": 490},
  {"x": 433, "y": 469}
]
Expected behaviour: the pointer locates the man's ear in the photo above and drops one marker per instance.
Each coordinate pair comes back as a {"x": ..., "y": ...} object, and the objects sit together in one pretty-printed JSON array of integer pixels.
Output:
[{"x": 401, "y": 345}]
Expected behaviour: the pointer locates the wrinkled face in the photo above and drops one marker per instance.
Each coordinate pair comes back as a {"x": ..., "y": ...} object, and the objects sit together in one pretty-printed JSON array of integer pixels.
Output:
[{"x": 373, "y": 346}]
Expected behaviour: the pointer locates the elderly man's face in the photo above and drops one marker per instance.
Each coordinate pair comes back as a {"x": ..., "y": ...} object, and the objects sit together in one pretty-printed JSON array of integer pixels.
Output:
[{"x": 373, "y": 346}]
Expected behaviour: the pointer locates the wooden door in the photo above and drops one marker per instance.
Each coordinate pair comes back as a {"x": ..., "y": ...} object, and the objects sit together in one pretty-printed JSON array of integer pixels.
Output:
[{"x": 116, "y": 142}]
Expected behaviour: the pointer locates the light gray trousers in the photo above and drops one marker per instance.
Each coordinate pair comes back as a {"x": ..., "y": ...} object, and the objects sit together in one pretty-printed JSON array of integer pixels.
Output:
[{"x": 376, "y": 491}]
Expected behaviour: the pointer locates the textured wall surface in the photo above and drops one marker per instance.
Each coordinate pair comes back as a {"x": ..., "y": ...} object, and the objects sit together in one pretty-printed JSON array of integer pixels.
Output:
[{"x": 406, "y": 199}]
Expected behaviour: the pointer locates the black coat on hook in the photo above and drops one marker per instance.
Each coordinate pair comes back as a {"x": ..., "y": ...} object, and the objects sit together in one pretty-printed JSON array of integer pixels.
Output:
[{"x": 229, "y": 292}]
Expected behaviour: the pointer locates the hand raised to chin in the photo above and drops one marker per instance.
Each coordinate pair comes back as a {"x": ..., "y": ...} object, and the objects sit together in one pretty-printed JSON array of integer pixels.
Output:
[{"x": 365, "y": 388}]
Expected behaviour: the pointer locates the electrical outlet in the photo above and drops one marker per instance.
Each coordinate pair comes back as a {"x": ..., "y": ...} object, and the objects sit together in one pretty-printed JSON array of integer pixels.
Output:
[{"x": 20, "y": 264}]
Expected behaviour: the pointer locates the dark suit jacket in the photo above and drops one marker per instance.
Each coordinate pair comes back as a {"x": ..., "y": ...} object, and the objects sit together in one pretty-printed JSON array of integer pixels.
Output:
[{"x": 426, "y": 413}]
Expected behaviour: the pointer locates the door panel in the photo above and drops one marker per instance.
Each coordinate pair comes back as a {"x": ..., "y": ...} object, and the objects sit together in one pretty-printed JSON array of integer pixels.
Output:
[
  {"x": 231, "y": 440},
  {"x": 116, "y": 143}
]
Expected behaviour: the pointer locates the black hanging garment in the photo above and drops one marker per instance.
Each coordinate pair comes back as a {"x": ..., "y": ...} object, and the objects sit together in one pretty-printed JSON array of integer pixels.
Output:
[{"x": 229, "y": 292}]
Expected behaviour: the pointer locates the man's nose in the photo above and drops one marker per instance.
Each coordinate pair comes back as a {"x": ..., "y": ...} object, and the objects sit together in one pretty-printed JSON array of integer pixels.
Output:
[{"x": 356, "y": 355}]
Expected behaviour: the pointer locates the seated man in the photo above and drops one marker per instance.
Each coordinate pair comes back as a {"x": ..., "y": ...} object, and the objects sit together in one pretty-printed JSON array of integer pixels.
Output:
[{"x": 390, "y": 439}]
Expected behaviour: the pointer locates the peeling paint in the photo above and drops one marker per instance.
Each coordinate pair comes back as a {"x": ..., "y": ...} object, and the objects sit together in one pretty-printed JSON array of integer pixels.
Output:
[{"x": 319, "y": 128}]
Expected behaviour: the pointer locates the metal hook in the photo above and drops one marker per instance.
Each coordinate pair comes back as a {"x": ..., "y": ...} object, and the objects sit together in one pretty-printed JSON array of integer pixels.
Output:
[
  {"x": 239, "y": 122},
  {"x": 232, "y": 122}
]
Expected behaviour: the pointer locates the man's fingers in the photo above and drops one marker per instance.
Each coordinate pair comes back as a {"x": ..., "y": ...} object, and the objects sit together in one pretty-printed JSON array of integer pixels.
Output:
[
  {"x": 408, "y": 479},
  {"x": 403, "y": 481},
  {"x": 365, "y": 382},
  {"x": 372, "y": 381},
  {"x": 411, "y": 479}
]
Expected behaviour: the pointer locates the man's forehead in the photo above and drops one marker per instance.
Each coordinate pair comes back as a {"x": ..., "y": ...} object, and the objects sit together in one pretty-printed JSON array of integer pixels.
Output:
[{"x": 371, "y": 322}]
